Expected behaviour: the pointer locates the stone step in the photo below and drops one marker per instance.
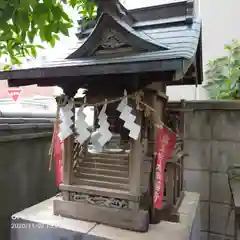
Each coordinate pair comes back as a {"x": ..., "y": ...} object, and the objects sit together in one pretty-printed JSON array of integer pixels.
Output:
[
  {"x": 104, "y": 178},
  {"x": 106, "y": 172},
  {"x": 101, "y": 184},
  {"x": 106, "y": 166},
  {"x": 115, "y": 138},
  {"x": 110, "y": 155},
  {"x": 96, "y": 159}
]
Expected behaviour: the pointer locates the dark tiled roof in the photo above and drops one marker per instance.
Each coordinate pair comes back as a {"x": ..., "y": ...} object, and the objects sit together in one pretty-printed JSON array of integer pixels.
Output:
[
  {"x": 167, "y": 42},
  {"x": 180, "y": 39}
]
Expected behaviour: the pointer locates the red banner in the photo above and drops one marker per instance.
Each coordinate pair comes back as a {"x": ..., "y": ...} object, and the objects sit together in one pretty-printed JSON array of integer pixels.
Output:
[
  {"x": 58, "y": 156},
  {"x": 165, "y": 144}
]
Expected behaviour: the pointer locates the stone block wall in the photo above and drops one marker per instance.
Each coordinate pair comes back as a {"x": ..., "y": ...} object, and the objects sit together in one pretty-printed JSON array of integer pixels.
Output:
[{"x": 212, "y": 141}]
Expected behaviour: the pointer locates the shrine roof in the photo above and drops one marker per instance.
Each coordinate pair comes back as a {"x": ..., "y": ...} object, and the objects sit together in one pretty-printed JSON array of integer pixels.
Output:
[{"x": 153, "y": 39}]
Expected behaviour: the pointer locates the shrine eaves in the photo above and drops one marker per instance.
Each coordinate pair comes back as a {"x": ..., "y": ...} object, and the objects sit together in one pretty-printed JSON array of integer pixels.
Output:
[{"x": 164, "y": 40}]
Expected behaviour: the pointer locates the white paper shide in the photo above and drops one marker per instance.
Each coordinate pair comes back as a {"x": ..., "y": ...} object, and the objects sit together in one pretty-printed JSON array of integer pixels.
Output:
[
  {"x": 129, "y": 119},
  {"x": 66, "y": 115},
  {"x": 102, "y": 135},
  {"x": 82, "y": 127}
]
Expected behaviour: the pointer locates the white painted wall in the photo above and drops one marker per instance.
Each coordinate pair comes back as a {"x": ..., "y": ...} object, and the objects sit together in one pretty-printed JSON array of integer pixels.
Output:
[{"x": 220, "y": 25}]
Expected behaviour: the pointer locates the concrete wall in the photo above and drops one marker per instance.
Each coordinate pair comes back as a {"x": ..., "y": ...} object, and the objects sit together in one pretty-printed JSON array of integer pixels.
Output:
[
  {"x": 24, "y": 176},
  {"x": 212, "y": 140}
]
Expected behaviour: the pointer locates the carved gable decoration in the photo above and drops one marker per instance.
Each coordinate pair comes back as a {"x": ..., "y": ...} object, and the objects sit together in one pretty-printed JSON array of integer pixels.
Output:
[
  {"x": 112, "y": 39},
  {"x": 112, "y": 42},
  {"x": 112, "y": 35}
]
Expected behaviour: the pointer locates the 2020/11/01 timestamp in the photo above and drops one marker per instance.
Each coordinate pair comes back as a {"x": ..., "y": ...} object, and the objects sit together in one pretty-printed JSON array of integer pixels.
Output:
[{"x": 31, "y": 225}]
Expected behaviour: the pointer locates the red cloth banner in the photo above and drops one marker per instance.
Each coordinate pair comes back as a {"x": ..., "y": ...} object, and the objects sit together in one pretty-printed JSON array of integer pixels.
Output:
[
  {"x": 165, "y": 144},
  {"x": 58, "y": 156}
]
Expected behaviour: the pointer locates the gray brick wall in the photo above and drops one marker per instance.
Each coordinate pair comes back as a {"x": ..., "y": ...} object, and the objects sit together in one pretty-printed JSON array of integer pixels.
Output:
[{"x": 212, "y": 141}]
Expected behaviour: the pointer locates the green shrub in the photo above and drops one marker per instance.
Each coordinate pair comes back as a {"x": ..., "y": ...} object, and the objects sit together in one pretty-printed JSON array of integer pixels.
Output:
[{"x": 223, "y": 74}]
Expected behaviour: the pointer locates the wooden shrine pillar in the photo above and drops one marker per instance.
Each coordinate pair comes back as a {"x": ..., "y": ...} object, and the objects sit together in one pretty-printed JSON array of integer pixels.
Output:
[
  {"x": 95, "y": 115},
  {"x": 67, "y": 164},
  {"x": 145, "y": 136},
  {"x": 136, "y": 157},
  {"x": 68, "y": 156},
  {"x": 158, "y": 104}
]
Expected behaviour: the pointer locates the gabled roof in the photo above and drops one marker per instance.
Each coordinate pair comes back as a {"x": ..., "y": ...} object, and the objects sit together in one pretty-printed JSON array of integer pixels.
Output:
[
  {"x": 163, "y": 38},
  {"x": 108, "y": 24},
  {"x": 179, "y": 39}
]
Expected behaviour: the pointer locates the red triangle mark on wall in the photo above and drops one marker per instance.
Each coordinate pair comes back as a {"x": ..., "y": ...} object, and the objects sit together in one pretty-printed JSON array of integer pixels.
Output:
[{"x": 14, "y": 93}]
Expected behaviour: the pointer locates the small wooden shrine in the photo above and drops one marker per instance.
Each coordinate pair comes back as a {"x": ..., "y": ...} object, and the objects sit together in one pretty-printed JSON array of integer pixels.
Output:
[{"x": 124, "y": 60}]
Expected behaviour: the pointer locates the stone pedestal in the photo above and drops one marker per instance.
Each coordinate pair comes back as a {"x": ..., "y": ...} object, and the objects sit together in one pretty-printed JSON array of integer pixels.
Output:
[{"x": 38, "y": 223}]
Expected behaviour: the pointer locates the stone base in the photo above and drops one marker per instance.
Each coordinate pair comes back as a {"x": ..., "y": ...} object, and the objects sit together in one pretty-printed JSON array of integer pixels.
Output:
[
  {"x": 38, "y": 223},
  {"x": 121, "y": 218}
]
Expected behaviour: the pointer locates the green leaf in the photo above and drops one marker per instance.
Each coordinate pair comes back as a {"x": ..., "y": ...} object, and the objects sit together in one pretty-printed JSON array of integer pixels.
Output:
[
  {"x": 3, "y": 4},
  {"x": 66, "y": 17},
  {"x": 47, "y": 33},
  {"x": 7, "y": 67},
  {"x": 52, "y": 42},
  {"x": 26, "y": 51},
  {"x": 7, "y": 13},
  {"x": 33, "y": 52},
  {"x": 40, "y": 9},
  {"x": 56, "y": 37},
  {"x": 63, "y": 27},
  {"x": 57, "y": 12},
  {"x": 23, "y": 36},
  {"x": 41, "y": 14},
  {"x": 228, "y": 47},
  {"x": 31, "y": 34},
  {"x": 223, "y": 74},
  {"x": 73, "y": 3},
  {"x": 49, "y": 3},
  {"x": 22, "y": 21},
  {"x": 6, "y": 35},
  {"x": 39, "y": 46},
  {"x": 26, "y": 3},
  {"x": 15, "y": 61},
  {"x": 42, "y": 35}
]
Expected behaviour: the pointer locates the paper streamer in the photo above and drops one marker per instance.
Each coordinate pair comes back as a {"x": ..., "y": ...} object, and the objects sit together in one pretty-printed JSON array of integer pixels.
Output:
[{"x": 82, "y": 127}]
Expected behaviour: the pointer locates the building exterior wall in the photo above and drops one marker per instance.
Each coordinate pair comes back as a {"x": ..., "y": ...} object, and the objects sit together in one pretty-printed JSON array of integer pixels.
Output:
[
  {"x": 27, "y": 91},
  {"x": 32, "y": 98},
  {"x": 220, "y": 25}
]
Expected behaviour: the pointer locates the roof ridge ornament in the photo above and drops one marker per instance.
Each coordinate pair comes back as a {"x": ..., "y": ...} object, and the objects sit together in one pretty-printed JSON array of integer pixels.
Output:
[
  {"x": 190, "y": 11},
  {"x": 113, "y": 8},
  {"x": 108, "y": 5}
]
